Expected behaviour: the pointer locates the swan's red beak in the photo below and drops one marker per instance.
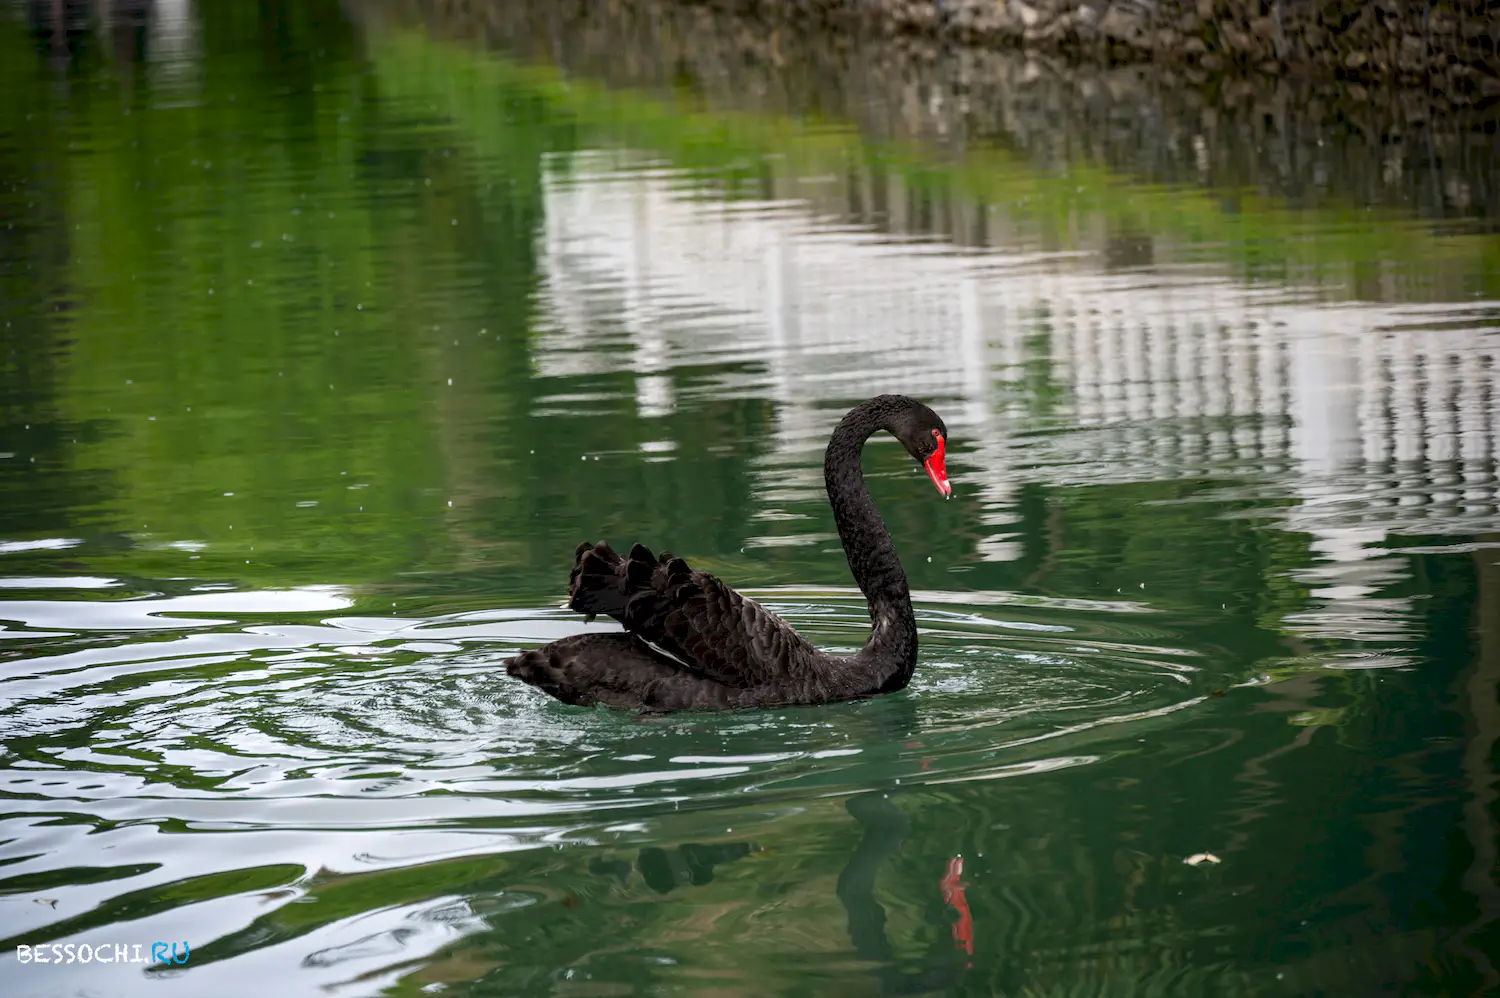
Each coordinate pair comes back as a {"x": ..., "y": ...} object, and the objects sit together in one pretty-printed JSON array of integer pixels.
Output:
[{"x": 937, "y": 467}]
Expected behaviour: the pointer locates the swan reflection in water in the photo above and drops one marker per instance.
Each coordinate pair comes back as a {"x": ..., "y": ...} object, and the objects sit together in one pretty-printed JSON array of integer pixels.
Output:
[{"x": 884, "y": 829}]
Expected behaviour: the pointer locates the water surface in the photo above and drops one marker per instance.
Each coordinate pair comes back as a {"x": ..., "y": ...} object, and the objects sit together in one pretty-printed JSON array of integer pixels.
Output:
[{"x": 328, "y": 334}]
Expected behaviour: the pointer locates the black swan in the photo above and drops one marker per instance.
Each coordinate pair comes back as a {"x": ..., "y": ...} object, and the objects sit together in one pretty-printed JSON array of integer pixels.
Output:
[{"x": 692, "y": 643}]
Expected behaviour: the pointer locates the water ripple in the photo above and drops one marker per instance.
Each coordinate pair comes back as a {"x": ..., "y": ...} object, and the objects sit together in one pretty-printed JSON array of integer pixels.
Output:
[{"x": 362, "y": 721}]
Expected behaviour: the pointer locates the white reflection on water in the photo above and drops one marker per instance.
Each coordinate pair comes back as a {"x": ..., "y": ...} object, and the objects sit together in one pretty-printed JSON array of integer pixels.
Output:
[
  {"x": 1372, "y": 418},
  {"x": 138, "y": 614},
  {"x": 43, "y": 544}
]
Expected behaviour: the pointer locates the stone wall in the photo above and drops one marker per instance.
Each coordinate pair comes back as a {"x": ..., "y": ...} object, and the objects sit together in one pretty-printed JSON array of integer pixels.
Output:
[
  {"x": 1455, "y": 41},
  {"x": 1413, "y": 150}
]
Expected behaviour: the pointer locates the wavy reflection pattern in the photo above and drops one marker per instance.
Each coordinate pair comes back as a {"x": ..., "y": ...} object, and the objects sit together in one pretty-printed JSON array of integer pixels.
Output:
[{"x": 1367, "y": 419}]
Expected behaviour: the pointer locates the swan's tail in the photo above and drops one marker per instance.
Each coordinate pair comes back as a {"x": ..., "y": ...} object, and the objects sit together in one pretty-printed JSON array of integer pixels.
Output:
[
  {"x": 575, "y": 670},
  {"x": 603, "y": 582},
  {"x": 617, "y": 670}
]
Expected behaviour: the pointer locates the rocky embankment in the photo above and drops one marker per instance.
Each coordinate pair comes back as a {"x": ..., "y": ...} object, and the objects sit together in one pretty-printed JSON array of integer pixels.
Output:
[
  {"x": 1417, "y": 150},
  {"x": 1454, "y": 42}
]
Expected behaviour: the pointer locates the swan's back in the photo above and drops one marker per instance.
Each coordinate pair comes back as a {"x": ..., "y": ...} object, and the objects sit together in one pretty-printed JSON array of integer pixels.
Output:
[{"x": 692, "y": 616}]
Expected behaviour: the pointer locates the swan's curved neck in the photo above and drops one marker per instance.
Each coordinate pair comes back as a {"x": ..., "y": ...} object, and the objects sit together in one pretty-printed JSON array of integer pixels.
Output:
[{"x": 867, "y": 545}]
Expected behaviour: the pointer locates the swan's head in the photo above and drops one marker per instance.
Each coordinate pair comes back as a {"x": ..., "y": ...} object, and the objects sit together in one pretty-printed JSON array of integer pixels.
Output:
[{"x": 925, "y": 438}]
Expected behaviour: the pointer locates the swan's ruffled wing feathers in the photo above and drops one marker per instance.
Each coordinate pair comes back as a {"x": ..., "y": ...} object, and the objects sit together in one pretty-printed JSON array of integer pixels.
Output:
[
  {"x": 693, "y": 617},
  {"x": 597, "y": 582}
]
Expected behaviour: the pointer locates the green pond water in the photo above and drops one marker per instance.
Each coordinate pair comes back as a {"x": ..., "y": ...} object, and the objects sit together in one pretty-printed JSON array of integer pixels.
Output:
[{"x": 329, "y": 333}]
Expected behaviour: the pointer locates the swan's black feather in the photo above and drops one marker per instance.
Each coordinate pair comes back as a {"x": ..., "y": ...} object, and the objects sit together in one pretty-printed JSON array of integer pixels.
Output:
[
  {"x": 617, "y": 670},
  {"x": 718, "y": 633}
]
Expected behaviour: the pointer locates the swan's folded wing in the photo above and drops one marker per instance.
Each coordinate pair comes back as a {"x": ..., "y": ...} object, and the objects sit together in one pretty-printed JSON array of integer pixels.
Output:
[{"x": 712, "y": 629}]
